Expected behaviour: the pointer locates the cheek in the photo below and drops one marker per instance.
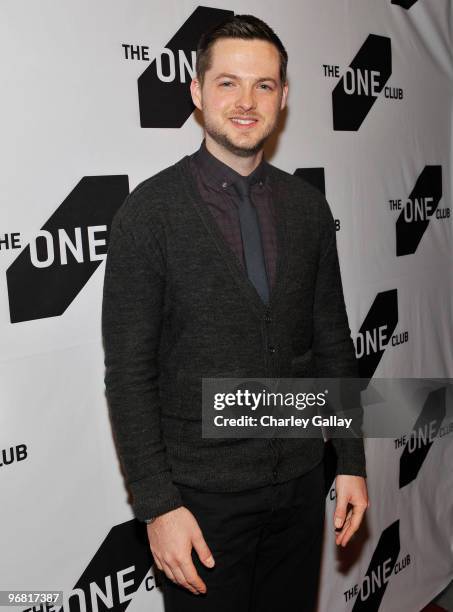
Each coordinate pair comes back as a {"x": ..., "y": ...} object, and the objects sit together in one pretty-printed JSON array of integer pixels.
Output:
[
  {"x": 217, "y": 104},
  {"x": 270, "y": 109}
]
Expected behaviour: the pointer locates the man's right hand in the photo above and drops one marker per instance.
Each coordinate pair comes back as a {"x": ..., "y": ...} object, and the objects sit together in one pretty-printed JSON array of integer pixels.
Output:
[{"x": 171, "y": 537}]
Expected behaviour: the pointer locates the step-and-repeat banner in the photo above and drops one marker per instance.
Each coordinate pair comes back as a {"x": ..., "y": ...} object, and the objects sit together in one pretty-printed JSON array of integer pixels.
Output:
[{"x": 94, "y": 99}]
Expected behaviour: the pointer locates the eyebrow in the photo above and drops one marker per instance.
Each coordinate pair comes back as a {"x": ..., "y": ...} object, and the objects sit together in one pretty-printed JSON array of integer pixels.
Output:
[{"x": 234, "y": 76}]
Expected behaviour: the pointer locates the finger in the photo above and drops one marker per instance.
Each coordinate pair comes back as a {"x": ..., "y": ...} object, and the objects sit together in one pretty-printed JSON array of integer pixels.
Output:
[
  {"x": 340, "y": 511},
  {"x": 158, "y": 562},
  {"x": 348, "y": 517},
  {"x": 340, "y": 534},
  {"x": 202, "y": 549},
  {"x": 182, "y": 580},
  {"x": 356, "y": 519},
  {"x": 168, "y": 572},
  {"x": 192, "y": 576},
  {"x": 345, "y": 524},
  {"x": 346, "y": 536},
  {"x": 352, "y": 526}
]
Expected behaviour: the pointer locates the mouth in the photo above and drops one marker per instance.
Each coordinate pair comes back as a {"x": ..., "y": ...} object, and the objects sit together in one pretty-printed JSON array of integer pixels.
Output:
[{"x": 243, "y": 123}]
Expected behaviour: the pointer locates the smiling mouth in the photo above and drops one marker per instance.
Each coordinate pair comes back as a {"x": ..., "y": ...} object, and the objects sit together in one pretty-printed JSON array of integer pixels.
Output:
[{"x": 243, "y": 123}]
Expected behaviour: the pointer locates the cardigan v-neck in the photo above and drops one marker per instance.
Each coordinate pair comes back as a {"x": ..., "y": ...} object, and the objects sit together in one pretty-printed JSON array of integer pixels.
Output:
[
  {"x": 238, "y": 273},
  {"x": 217, "y": 184}
]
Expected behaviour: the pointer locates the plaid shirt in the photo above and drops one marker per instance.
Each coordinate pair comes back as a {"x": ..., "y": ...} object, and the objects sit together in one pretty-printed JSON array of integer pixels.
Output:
[{"x": 215, "y": 184}]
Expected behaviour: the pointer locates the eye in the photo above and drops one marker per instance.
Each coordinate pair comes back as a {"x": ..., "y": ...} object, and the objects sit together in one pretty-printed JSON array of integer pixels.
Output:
[
  {"x": 225, "y": 83},
  {"x": 266, "y": 86}
]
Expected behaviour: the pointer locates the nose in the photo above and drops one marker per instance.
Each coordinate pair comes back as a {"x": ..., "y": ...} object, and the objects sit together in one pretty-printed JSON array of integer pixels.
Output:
[{"x": 246, "y": 98}]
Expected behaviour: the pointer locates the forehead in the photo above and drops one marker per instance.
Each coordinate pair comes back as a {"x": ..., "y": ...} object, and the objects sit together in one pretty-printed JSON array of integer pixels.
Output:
[{"x": 245, "y": 57}]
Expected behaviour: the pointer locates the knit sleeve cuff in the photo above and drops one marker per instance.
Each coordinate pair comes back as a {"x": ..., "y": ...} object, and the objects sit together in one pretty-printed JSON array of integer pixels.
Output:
[
  {"x": 350, "y": 456},
  {"x": 154, "y": 495}
]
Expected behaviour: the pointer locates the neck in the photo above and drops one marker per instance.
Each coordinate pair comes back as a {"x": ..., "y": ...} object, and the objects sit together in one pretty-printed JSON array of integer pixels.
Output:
[{"x": 242, "y": 165}]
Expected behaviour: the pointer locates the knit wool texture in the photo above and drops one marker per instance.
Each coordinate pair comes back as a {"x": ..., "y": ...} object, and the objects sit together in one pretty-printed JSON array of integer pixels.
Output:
[{"x": 177, "y": 306}]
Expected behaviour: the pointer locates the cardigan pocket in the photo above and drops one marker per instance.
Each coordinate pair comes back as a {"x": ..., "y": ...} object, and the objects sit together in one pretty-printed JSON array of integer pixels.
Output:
[{"x": 191, "y": 406}]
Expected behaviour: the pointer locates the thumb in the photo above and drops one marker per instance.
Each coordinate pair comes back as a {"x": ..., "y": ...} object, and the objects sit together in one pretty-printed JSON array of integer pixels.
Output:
[
  {"x": 203, "y": 551},
  {"x": 340, "y": 512}
]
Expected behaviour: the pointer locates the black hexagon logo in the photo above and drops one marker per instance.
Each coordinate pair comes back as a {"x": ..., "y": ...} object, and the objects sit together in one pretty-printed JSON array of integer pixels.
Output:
[
  {"x": 50, "y": 272},
  {"x": 358, "y": 89},
  {"x": 164, "y": 99}
]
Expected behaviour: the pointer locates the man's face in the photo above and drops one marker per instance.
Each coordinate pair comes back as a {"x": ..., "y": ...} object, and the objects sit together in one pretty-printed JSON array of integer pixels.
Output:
[{"x": 242, "y": 95}]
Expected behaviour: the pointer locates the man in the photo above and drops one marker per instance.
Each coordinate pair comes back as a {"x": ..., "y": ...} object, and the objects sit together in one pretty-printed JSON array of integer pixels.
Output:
[{"x": 222, "y": 265}]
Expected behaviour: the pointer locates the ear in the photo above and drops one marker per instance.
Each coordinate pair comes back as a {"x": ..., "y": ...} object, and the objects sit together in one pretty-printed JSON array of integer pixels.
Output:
[
  {"x": 284, "y": 96},
  {"x": 195, "y": 91}
]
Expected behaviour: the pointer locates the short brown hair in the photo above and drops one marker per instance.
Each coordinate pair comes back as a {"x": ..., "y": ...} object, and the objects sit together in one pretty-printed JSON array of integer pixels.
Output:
[{"x": 246, "y": 27}]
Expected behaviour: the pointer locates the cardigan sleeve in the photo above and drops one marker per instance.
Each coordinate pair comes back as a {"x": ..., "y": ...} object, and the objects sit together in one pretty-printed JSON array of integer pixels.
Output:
[
  {"x": 131, "y": 323},
  {"x": 332, "y": 343}
]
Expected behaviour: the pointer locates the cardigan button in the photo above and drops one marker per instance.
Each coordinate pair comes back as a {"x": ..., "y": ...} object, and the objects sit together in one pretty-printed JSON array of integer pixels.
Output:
[
  {"x": 267, "y": 318},
  {"x": 272, "y": 349}
]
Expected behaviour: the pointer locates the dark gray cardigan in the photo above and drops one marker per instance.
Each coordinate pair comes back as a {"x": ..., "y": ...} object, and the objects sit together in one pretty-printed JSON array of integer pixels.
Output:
[{"x": 177, "y": 306}]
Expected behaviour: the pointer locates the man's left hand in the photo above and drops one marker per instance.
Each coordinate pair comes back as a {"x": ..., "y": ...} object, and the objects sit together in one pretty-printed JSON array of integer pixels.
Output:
[{"x": 350, "y": 490}]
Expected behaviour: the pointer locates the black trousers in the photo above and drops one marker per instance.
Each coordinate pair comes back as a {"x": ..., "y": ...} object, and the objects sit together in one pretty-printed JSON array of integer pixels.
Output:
[{"x": 266, "y": 543}]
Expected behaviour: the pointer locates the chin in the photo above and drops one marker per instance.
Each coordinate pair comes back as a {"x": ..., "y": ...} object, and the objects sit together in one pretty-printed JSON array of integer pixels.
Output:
[
  {"x": 238, "y": 144},
  {"x": 245, "y": 152},
  {"x": 247, "y": 146}
]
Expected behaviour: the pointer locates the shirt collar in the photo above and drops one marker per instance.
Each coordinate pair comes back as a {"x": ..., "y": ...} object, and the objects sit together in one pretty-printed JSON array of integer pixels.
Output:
[{"x": 220, "y": 176}]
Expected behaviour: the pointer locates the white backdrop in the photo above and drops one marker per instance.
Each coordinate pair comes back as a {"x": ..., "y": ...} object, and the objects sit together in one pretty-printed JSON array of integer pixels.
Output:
[{"x": 72, "y": 147}]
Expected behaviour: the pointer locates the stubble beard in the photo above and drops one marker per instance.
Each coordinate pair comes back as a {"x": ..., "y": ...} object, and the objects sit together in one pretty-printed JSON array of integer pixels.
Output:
[{"x": 222, "y": 139}]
